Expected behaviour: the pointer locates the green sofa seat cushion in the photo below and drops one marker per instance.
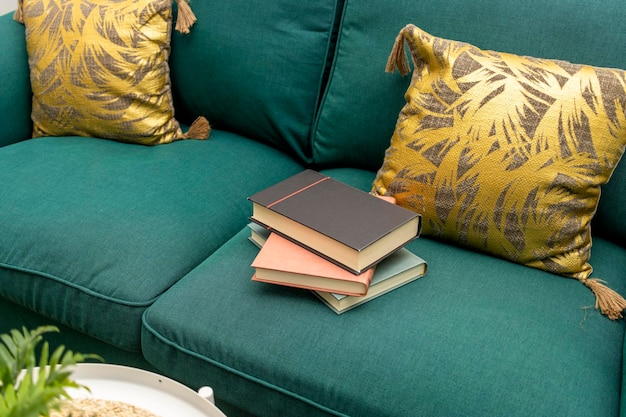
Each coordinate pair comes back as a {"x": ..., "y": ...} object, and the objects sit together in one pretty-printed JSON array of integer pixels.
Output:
[
  {"x": 93, "y": 231},
  {"x": 255, "y": 68},
  {"x": 476, "y": 336}
]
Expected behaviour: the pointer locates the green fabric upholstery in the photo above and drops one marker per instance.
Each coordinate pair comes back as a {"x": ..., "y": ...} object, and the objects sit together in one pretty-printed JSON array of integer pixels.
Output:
[
  {"x": 15, "y": 105},
  {"x": 255, "y": 68},
  {"x": 476, "y": 336},
  {"x": 93, "y": 231},
  {"x": 362, "y": 102},
  {"x": 70, "y": 338}
]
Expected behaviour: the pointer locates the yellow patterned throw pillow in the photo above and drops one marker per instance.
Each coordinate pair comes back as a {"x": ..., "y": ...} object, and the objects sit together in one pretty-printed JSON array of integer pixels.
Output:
[
  {"x": 506, "y": 154},
  {"x": 99, "y": 68}
]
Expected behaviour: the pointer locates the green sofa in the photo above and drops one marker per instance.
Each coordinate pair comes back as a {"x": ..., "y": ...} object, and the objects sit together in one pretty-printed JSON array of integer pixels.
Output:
[{"x": 141, "y": 253}]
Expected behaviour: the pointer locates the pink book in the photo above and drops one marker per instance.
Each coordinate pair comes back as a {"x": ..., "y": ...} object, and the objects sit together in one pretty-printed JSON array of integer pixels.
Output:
[{"x": 283, "y": 262}]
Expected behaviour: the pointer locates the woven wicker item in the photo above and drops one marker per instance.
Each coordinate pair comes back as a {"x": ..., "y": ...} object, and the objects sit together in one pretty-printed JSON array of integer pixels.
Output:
[{"x": 86, "y": 407}]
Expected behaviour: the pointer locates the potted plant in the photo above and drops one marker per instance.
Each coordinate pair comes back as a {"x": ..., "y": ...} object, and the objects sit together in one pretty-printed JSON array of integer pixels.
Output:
[{"x": 31, "y": 386}]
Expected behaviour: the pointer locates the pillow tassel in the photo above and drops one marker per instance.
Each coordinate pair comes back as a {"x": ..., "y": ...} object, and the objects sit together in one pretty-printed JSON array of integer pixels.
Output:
[
  {"x": 611, "y": 304},
  {"x": 199, "y": 129},
  {"x": 186, "y": 18},
  {"x": 19, "y": 12},
  {"x": 398, "y": 58}
]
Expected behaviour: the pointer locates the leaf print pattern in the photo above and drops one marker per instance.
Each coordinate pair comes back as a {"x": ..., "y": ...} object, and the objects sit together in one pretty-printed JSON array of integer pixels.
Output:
[
  {"x": 100, "y": 69},
  {"x": 503, "y": 153}
]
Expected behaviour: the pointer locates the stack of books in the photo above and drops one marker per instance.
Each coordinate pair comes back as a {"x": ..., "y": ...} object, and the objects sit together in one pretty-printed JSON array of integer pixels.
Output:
[{"x": 342, "y": 243}]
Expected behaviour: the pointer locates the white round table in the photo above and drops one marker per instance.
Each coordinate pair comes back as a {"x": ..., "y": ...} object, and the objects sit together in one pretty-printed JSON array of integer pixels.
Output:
[{"x": 153, "y": 392}]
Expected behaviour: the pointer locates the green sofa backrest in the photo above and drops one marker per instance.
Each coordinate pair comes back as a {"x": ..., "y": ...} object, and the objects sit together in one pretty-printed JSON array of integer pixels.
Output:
[
  {"x": 255, "y": 68},
  {"x": 15, "y": 106},
  {"x": 361, "y": 104}
]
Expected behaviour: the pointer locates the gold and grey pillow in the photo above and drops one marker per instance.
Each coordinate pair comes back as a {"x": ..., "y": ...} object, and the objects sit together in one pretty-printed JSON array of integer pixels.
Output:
[
  {"x": 100, "y": 69},
  {"x": 504, "y": 153}
]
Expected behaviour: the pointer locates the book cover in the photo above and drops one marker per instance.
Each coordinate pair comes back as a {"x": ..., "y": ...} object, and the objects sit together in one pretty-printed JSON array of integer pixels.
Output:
[
  {"x": 258, "y": 234},
  {"x": 344, "y": 224},
  {"x": 400, "y": 268},
  {"x": 283, "y": 262}
]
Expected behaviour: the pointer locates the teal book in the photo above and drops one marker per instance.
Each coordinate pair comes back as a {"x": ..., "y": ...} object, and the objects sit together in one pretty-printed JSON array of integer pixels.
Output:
[
  {"x": 398, "y": 269},
  {"x": 258, "y": 234}
]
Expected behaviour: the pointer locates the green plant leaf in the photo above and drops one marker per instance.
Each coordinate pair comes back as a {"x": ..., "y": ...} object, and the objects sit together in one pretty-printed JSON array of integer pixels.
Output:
[{"x": 31, "y": 387}]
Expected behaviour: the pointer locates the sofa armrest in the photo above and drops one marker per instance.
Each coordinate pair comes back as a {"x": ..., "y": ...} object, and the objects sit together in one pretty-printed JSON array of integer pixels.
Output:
[{"x": 15, "y": 91}]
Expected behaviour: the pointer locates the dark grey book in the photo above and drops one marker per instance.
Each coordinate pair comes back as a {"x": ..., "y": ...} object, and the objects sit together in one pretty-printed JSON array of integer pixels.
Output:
[{"x": 345, "y": 225}]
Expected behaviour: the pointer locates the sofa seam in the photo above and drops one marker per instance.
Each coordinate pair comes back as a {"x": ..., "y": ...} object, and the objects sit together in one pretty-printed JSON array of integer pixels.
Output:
[
  {"x": 326, "y": 78},
  {"x": 80, "y": 288}
]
